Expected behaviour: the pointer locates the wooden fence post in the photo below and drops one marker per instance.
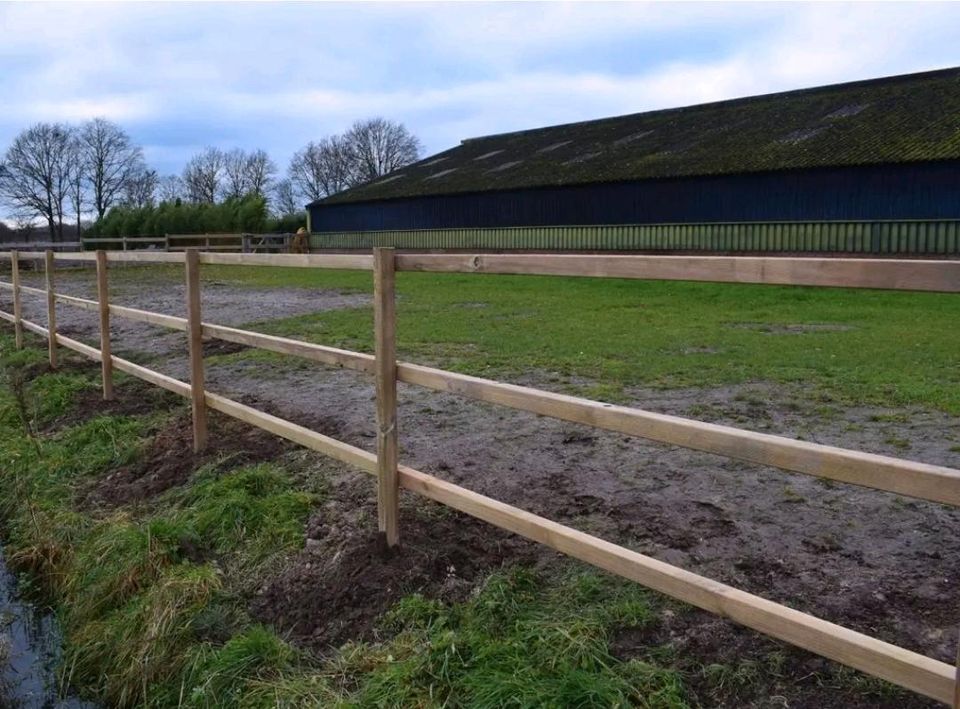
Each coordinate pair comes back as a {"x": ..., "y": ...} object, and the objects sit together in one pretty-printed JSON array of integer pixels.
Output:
[
  {"x": 103, "y": 298},
  {"x": 195, "y": 340},
  {"x": 51, "y": 308},
  {"x": 384, "y": 312},
  {"x": 17, "y": 305}
]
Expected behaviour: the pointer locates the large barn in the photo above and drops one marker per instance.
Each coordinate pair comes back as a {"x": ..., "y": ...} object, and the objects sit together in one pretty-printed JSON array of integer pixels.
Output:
[{"x": 874, "y": 165}]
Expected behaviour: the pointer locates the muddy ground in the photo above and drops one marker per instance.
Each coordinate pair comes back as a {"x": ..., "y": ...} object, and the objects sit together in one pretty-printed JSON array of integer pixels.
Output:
[{"x": 881, "y": 564}]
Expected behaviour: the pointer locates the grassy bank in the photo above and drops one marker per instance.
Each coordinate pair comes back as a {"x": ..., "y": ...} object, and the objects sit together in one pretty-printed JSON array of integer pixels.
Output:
[
  {"x": 153, "y": 596},
  {"x": 855, "y": 346}
]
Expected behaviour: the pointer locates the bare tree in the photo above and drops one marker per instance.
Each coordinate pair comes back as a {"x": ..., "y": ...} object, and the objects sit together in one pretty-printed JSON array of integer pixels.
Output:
[
  {"x": 323, "y": 168},
  {"x": 247, "y": 173},
  {"x": 111, "y": 159},
  {"x": 234, "y": 174},
  {"x": 77, "y": 179},
  {"x": 170, "y": 188},
  {"x": 379, "y": 146},
  {"x": 35, "y": 175},
  {"x": 259, "y": 169},
  {"x": 285, "y": 199},
  {"x": 141, "y": 189},
  {"x": 203, "y": 175}
]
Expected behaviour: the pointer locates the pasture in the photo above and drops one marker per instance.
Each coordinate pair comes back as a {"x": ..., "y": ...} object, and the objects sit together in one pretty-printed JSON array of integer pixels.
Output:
[{"x": 269, "y": 556}]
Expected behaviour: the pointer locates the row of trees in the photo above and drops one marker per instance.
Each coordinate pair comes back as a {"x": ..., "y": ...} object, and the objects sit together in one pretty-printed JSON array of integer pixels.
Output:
[
  {"x": 53, "y": 172},
  {"x": 248, "y": 213}
]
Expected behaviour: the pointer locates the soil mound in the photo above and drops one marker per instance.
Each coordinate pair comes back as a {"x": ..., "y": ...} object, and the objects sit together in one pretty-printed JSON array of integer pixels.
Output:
[
  {"x": 343, "y": 582},
  {"x": 169, "y": 459}
]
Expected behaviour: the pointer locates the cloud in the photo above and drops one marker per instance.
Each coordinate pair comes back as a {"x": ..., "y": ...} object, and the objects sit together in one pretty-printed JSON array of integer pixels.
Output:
[{"x": 180, "y": 76}]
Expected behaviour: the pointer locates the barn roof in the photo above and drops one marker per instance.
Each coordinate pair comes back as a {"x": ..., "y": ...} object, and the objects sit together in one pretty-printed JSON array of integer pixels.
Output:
[{"x": 908, "y": 118}]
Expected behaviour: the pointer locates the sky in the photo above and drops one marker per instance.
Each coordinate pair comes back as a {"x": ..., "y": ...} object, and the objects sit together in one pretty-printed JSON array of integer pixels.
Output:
[{"x": 182, "y": 76}]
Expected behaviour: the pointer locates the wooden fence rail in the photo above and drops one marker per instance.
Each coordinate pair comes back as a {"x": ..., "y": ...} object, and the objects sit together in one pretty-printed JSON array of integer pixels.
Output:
[
  {"x": 245, "y": 242},
  {"x": 908, "y": 669}
]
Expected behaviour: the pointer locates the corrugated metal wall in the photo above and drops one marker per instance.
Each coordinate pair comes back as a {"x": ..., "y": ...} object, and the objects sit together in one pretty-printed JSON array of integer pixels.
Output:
[
  {"x": 872, "y": 237},
  {"x": 880, "y": 192}
]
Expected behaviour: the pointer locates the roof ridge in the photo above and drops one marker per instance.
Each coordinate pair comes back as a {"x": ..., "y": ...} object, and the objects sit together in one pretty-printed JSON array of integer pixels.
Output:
[{"x": 858, "y": 83}]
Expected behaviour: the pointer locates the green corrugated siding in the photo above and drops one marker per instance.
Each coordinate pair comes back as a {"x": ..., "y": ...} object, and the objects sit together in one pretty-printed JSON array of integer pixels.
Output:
[{"x": 907, "y": 237}]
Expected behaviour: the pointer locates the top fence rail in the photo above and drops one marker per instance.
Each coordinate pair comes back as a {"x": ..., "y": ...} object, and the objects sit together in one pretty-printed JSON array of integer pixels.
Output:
[{"x": 886, "y": 274}]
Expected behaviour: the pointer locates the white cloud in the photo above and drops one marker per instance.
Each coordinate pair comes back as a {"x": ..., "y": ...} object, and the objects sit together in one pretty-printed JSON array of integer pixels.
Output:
[{"x": 276, "y": 75}]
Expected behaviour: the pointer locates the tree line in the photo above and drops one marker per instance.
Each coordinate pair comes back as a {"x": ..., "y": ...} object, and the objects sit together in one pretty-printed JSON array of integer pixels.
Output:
[{"x": 94, "y": 172}]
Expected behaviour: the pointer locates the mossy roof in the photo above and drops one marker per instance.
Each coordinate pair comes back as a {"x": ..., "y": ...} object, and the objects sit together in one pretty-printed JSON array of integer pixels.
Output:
[{"x": 908, "y": 118}]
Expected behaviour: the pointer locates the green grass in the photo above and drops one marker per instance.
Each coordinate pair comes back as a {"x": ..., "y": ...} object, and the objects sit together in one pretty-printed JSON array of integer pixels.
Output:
[
  {"x": 882, "y": 348},
  {"x": 521, "y": 642},
  {"x": 135, "y": 590}
]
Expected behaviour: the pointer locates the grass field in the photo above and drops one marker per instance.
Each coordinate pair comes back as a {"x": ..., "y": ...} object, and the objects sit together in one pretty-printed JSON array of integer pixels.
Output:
[{"x": 885, "y": 348}]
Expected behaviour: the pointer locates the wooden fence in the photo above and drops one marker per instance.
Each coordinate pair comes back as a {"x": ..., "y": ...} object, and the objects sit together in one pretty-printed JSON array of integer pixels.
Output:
[
  {"x": 245, "y": 242},
  {"x": 41, "y": 245},
  {"x": 916, "y": 672}
]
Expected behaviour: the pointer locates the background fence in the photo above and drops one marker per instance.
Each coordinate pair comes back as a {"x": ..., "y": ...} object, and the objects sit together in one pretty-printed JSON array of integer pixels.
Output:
[
  {"x": 924, "y": 675},
  {"x": 245, "y": 243},
  {"x": 875, "y": 238},
  {"x": 931, "y": 237}
]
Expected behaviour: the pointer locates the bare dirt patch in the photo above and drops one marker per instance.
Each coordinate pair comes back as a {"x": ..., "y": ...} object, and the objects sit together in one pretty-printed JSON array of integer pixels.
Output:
[
  {"x": 134, "y": 398},
  {"x": 169, "y": 460},
  {"x": 338, "y": 588}
]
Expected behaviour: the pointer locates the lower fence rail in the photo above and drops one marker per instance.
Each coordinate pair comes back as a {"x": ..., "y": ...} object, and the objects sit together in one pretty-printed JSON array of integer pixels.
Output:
[{"x": 900, "y": 666}]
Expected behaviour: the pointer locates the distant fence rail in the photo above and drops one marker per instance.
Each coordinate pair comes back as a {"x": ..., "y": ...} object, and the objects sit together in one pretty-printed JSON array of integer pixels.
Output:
[
  {"x": 41, "y": 246},
  {"x": 919, "y": 237},
  {"x": 921, "y": 674},
  {"x": 242, "y": 242}
]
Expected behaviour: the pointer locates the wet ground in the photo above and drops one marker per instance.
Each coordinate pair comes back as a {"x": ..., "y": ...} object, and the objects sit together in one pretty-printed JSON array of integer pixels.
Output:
[
  {"x": 30, "y": 647},
  {"x": 875, "y": 562}
]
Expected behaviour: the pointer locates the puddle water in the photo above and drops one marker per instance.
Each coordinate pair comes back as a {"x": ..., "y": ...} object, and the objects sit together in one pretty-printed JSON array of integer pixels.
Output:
[{"x": 30, "y": 651}]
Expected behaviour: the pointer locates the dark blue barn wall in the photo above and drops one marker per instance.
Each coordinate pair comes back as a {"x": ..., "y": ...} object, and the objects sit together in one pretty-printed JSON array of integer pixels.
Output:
[{"x": 920, "y": 191}]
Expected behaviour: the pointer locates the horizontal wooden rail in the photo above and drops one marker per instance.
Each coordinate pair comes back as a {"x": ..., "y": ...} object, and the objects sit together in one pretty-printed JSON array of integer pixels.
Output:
[
  {"x": 129, "y": 239},
  {"x": 919, "y": 275},
  {"x": 921, "y": 480},
  {"x": 908, "y": 669},
  {"x": 360, "y": 262},
  {"x": 34, "y": 328},
  {"x": 903, "y": 477},
  {"x": 212, "y": 247},
  {"x": 307, "y": 350},
  {"x": 893, "y": 274},
  {"x": 204, "y": 237}
]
